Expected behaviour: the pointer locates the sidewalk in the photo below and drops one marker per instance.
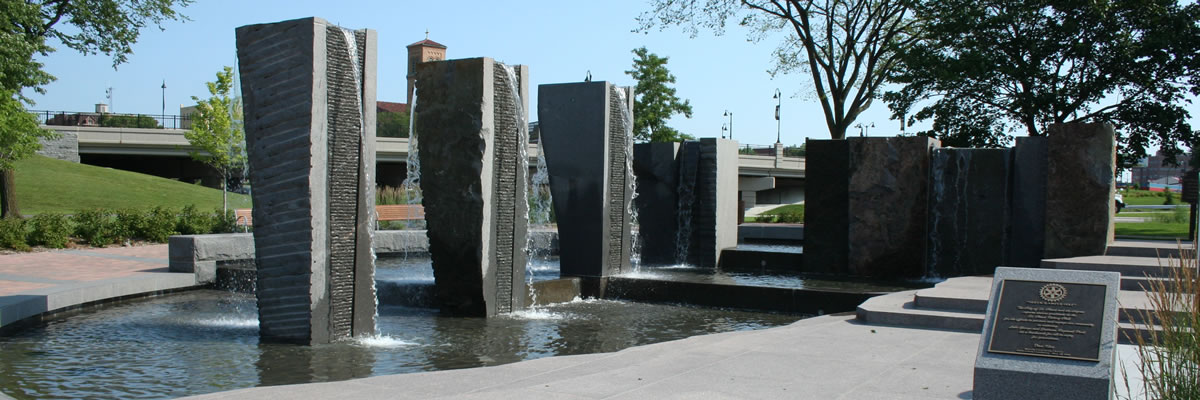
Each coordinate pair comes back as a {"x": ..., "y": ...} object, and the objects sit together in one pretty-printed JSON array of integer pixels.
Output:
[{"x": 35, "y": 283}]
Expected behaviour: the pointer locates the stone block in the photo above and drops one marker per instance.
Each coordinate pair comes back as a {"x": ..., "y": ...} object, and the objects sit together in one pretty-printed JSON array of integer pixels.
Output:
[
  {"x": 1028, "y": 216},
  {"x": 471, "y": 125},
  {"x": 826, "y": 215},
  {"x": 715, "y": 218},
  {"x": 657, "y": 169},
  {"x": 887, "y": 201},
  {"x": 65, "y": 147},
  {"x": 309, "y": 92},
  {"x": 585, "y": 133},
  {"x": 968, "y": 211},
  {"x": 1062, "y": 367},
  {"x": 1080, "y": 189}
]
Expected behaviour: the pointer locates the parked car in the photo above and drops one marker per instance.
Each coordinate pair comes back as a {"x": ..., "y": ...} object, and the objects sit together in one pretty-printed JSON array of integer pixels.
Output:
[{"x": 1120, "y": 200}]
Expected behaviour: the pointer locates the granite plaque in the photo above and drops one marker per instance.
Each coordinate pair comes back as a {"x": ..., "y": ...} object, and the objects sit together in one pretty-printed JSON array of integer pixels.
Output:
[
  {"x": 1048, "y": 334},
  {"x": 1048, "y": 319}
]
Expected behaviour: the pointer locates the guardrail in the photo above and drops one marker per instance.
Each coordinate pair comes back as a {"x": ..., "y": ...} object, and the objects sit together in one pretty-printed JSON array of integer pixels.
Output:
[{"x": 112, "y": 120}]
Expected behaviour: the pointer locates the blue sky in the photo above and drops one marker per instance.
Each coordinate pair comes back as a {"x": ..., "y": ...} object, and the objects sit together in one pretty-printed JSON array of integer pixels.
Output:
[{"x": 561, "y": 40}]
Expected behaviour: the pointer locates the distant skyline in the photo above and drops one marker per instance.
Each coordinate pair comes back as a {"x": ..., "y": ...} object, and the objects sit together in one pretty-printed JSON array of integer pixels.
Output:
[{"x": 561, "y": 41}]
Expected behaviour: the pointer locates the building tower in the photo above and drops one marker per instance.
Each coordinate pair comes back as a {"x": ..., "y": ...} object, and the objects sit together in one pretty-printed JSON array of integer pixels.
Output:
[{"x": 419, "y": 52}]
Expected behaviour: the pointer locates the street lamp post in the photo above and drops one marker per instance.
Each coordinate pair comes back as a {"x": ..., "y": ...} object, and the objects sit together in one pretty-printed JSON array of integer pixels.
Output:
[
  {"x": 778, "y": 102},
  {"x": 730, "y": 115},
  {"x": 164, "y": 100},
  {"x": 724, "y": 128}
]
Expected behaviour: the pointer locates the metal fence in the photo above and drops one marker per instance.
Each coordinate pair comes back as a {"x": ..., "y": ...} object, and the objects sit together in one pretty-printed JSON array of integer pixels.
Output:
[{"x": 75, "y": 118}]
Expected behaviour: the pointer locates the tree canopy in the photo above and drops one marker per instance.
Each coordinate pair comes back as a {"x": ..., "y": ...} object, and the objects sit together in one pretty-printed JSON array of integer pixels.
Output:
[
  {"x": 848, "y": 47},
  {"x": 655, "y": 100},
  {"x": 217, "y": 128},
  {"x": 984, "y": 69}
]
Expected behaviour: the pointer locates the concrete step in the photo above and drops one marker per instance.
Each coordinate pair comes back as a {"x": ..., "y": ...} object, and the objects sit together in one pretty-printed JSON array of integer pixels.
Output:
[
  {"x": 1148, "y": 248},
  {"x": 960, "y": 304},
  {"x": 1127, "y": 266}
]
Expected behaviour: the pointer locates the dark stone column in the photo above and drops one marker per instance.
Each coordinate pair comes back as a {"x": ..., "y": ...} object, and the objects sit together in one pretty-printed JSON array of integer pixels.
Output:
[
  {"x": 1028, "y": 202},
  {"x": 585, "y": 131},
  {"x": 1079, "y": 189},
  {"x": 887, "y": 201},
  {"x": 309, "y": 91},
  {"x": 826, "y": 215},
  {"x": 968, "y": 211},
  {"x": 657, "y": 168},
  {"x": 471, "y": 127},
  {"x": 714, "y": 217}
]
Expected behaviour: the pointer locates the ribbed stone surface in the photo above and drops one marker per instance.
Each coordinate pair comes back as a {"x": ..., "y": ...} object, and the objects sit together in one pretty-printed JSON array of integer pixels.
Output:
[
  {"x": 615, "y": 195},
  {"x": 305, "y": 121},
  {"x": 474, "y": 185}
]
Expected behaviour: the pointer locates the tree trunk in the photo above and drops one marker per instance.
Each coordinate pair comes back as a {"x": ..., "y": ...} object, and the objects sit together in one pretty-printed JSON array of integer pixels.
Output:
[{"x": 8, "y": 194}]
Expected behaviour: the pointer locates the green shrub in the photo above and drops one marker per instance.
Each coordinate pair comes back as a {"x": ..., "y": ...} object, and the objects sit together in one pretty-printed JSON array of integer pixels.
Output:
[
  {"x": 1170, "y": 197},
  {"x": 128, "y": 121},
  {"x": 158, "y": 224},
  {"x": 193, "y": 222},
  {"x": 1177, "y": 216},
  {"x": 224, "y": 221},
  {"x": 128, "y": 224},
  {"x": 95, "y": 226},
  {"x": 12, "y": 234},
  {"x": 791, "y": 217},
  {"x": 50, "y": 230}
]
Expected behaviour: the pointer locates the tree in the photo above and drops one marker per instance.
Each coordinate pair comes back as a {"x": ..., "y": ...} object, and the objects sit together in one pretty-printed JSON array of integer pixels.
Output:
[
  {"x": 1027, "y": 64},
  {"x": 94, "y": 26},
  {"x": 217, "y": 130},
  {"x": 655, "y": 100},
  {"x": 848, "y": 47},
  {"x": 392, "y": 124}
]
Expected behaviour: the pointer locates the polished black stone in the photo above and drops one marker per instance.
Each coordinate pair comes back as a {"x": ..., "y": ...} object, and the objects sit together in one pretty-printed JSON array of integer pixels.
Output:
[{"x": 1048, "y": 319}]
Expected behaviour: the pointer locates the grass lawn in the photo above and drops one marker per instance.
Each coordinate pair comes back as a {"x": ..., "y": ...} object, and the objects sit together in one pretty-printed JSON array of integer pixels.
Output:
[
  {"x": 49, "y": 185},
  {"x": 1152, "y": 229},
  {"x": 790, "y": 208}
]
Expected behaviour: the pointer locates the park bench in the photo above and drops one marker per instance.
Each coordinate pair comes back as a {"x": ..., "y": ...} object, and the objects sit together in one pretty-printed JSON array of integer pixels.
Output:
[{"x": 393, "y": 212}]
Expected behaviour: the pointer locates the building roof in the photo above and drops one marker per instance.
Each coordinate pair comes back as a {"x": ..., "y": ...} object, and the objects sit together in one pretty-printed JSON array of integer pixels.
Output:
[
  {"x": 427, "y": 43},
  {"x": 387, "y": 106}
]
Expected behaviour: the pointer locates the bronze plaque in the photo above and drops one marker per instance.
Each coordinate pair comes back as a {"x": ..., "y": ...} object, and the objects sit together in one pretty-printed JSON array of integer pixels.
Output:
[{"x": 1048, "y": 319}]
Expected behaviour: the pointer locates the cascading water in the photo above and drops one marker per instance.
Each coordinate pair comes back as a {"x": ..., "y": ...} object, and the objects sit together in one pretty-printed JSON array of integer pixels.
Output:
[
  {"x": 687, "y": 197},
  {"x": 635, "y": 251},
  {"x": 412, "y": 164}
]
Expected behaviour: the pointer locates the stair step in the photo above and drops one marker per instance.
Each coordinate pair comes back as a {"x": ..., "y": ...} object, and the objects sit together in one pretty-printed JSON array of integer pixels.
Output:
[
  {"x": 1127, "y": 266},
  {"x": 1147, "y": 248}
]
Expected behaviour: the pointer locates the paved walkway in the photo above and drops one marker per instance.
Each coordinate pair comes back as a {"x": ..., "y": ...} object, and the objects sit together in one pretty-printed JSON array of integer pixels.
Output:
[{"x": 35, "y": 283}]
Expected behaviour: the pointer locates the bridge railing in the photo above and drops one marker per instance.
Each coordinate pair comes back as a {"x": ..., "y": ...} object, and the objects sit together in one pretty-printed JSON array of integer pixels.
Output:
[
  {"x": 74, "y": 118},
  {"x": 770, "y": 150}
]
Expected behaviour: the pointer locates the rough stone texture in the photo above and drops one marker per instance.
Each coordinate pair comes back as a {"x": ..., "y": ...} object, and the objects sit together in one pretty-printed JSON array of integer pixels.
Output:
[
  {"x": 968, "y": 211},
  {"x": 1079, "y": 189},
  {"x": 65, "y": 148},
  {"x": 473, "y": 178},
  {"x": 310, "y": 132},
  {"x": 826, "y": 217},
  {"x": 1008, "y": 376},
  {"x": 887, "y": 200},
  {"x": 1028, "y": 216},
  {"x": 199, "y": 254},
  {"x": 657, "y": 169},
  {"x": 585, "y": 139}
]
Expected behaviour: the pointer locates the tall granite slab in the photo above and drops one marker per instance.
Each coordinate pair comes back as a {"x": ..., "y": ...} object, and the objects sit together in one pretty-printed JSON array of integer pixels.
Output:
[
  {"x": 586, "y": 133},
  {"x": 968, "y": 211},
  {"x": 471, "y": 124},
  {"x": 714, "y": 220},
  {"x": 1028, "y": 215},
  {"x": 657, "y": 168},
  {"x": 309, "y": 92},
  {"x": 1055, "y": 339},
  {"x": 887, "y": 200},
  {"x": 1080, "y": 189},
  {"x": 826, "y": 216}
]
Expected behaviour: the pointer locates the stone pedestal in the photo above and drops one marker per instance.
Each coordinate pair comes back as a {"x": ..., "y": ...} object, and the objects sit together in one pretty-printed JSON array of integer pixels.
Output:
[
  {"x": 471, "y": 124},
  {"x": 687, "y": 200},
  {"x": 585, "y": 132},
  {"x": 1080, "y": 189},
  {"x": 968, "y": 211},
  {"x": 867, "y": 205},
  {"x": 309, "y": 92}
]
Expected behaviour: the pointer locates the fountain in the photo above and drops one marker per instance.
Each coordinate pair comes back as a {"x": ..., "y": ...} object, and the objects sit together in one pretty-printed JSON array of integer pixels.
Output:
[
  {"x": 473, "y": 171},
  {"x": 309, "y": 90},
  {"x": 587, "y": 137}
]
